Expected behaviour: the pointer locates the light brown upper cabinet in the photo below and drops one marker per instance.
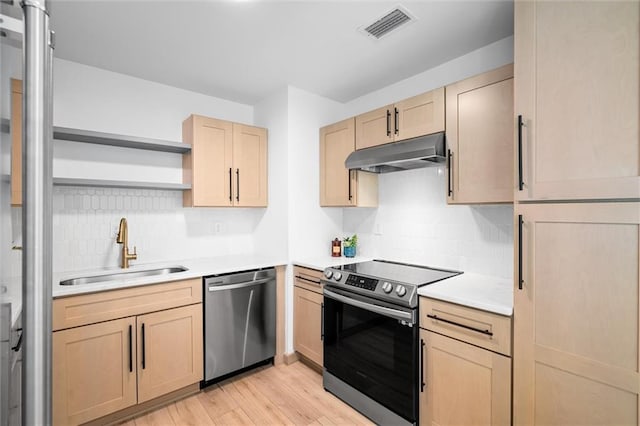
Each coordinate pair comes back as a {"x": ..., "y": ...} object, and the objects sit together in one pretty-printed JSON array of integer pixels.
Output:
[
  {"x": 410, "y": 118},
  {"x": 16, "y": 142},
  {"x": 480, "y": 138},
  {"x": 577, "y": 71},
  {"x": 576, "y": 338},
  {"x": 339, "y": 186},
  {"x": 227, "y": 165}
]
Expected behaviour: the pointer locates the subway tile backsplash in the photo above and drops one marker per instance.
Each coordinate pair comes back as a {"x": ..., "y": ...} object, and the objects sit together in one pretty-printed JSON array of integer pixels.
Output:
[
  {"x": 85, "y": 225},
  {"x": 414, "y": 224}
]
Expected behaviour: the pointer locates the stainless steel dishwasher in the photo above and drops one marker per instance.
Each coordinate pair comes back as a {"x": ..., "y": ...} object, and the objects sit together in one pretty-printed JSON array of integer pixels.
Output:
[{"x": 239, "y": 321}]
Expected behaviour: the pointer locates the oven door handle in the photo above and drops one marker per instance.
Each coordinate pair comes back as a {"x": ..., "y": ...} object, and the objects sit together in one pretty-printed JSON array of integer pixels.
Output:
[{"x": 388, "y": 312}]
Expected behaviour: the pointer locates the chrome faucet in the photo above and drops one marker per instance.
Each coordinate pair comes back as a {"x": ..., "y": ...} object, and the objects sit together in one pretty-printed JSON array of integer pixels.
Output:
[{"x": 123, "y": 238}]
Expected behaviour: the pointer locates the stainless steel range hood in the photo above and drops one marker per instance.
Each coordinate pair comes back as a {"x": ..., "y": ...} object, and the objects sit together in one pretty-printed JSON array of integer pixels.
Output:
[{"x": 414, "y": 153}]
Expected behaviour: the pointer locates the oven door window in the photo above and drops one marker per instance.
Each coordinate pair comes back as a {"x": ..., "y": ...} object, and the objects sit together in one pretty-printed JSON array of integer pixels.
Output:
[{"x": 373, "y": 353}]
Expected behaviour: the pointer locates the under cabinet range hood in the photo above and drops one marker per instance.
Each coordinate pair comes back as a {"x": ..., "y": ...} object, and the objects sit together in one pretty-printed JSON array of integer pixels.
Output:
[{"x": 423, "y": 151}]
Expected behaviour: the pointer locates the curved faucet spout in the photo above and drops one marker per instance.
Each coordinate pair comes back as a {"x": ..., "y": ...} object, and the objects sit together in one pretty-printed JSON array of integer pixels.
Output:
[{"x": 123, "y": 238}]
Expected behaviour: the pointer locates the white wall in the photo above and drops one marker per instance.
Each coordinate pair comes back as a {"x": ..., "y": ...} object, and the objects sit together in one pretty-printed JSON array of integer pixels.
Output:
[
  {"x": 86, "y": 218},
  {"x": 413, "y": 222},
  {"x": 293, "y": 221},
  {"x": 484, "y": 59},
  {"x": 272, "y": 232}
]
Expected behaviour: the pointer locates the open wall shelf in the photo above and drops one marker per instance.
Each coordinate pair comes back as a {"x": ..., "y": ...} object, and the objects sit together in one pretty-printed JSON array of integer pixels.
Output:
[
  {"x": 111, "y": 139},
  {"x": 103, "y": 183}
]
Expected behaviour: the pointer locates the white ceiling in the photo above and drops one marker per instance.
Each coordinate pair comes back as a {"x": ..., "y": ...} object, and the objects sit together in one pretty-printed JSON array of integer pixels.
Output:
[{"x": 246, "y": 50}]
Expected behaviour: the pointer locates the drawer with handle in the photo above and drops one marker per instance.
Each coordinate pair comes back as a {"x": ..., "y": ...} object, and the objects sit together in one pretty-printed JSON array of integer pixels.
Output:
[
  {"x": 308, "y": 279},
  {"x": 480, "y": 328}
]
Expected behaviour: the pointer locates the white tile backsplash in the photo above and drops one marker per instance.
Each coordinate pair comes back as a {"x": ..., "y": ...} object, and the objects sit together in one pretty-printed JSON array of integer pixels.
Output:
[
  {"x": 86, "y": 224},
  {"x": 413, "y": 223}
]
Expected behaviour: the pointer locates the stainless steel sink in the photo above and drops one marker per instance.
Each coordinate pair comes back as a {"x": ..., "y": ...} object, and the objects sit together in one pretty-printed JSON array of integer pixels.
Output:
[{"x": 123, "y": 275}]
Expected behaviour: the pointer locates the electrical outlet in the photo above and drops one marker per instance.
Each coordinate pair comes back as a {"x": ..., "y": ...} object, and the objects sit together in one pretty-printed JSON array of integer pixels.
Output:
[{"x": 218, "y": 227}]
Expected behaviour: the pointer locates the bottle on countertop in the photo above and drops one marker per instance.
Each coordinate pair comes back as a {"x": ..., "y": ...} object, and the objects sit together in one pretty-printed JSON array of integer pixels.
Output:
[{"x": 336, "y": 248}]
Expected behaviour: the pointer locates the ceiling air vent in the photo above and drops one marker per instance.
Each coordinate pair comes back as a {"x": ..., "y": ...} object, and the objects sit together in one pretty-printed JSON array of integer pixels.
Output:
[{"x": 389, "y": 22}]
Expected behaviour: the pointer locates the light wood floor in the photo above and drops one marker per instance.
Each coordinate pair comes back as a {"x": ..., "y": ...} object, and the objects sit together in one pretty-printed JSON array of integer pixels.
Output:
[{"x": 283, "y": 395}]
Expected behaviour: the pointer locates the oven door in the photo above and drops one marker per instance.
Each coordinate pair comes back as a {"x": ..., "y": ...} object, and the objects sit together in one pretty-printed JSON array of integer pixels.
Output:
[{"x": 372, "y": 346}]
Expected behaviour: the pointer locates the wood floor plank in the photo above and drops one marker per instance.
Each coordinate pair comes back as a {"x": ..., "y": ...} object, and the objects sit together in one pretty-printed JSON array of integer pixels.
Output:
[
  {"x": 159, "y": 417},
  {"x": 236, "y": 417},
  {"x": 293, "y": 405},
  {"x": 271, "y": 395},
  {"x": 189, "y": 412},
  {"x": 216, "y": 402}
]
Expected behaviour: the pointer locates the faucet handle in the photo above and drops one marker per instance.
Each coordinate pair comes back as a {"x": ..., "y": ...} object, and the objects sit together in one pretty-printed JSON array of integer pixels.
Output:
[{"x": 134, "y": 250}]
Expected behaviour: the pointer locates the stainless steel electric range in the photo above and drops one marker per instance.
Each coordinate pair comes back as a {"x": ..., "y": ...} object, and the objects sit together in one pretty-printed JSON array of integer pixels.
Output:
[{"x": 370, "y": 334}]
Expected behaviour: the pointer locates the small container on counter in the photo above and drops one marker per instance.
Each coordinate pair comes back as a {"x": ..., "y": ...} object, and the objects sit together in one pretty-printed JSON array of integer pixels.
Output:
[{"x": 336, "y": 248}]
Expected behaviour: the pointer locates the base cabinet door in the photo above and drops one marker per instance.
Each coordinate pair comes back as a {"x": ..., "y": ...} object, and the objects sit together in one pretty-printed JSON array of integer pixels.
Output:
[
  {"x": 462, "y": 384},
  {"x": 93, "y": 371},
  {"x": 576, "y": 338},
  {"x": 169, "y": 350},
  {"x": 307, "y": 319}
]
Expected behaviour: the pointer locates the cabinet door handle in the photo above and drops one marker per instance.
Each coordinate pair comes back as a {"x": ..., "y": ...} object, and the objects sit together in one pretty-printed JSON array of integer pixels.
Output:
[
  {"x": 477, "y": 330},
  {"x": 396, "y": 127},
  {"x": 130, "y": 349},
  {"x": 238, "y": 185},
  {"x": 230, "y": 185},
  {"x": 322, "y": 321},
  {"x": 144, "y": 355},
  {"x": 350, "y": 194},
  {"x": 422, "y": 382},
  {"x": 388, "y": 123},
  {"x": 449, "y": 183},
  {"x": 520, "y": 223},
  {"x": 520, "y": 126}
]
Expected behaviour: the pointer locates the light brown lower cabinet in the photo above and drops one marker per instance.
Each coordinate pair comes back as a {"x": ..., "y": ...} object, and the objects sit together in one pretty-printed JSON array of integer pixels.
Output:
[
  {"x": 307, "y": 314},
  {"x": 170, "y": 351},
  {"x": 465, "y": 372},
  {"x": 94, "y": 370},
  {"x": 577, "y": 338},
  {"x": 103, "y": 367},
  {"x": 463, "y": 384}
]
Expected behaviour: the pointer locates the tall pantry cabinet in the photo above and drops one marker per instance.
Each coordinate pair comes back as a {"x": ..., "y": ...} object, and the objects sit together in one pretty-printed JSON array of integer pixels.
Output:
[{"x": 577, "y": 213}]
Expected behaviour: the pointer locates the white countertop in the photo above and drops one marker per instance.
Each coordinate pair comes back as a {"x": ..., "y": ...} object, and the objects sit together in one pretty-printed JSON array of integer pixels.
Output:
[
  {"x": 196, "y": 268},
  {"x": 320, "y": 263},
  {"x": 483, "y": 292}
]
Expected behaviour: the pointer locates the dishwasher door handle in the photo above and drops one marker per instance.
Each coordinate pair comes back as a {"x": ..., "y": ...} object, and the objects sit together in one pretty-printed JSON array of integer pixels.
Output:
[{"x": 238, "y": 285}]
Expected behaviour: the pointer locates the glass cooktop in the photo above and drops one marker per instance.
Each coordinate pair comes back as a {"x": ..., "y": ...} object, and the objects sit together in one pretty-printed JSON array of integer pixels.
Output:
[{"x": 400, "y": 272}]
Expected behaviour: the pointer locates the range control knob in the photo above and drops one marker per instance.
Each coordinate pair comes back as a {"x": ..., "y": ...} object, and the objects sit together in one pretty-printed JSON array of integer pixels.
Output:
[
  {"x": 328, "y": 273},
  {"x": 337, "y": 276},
  {"x": 387, "y": 287},
  {"x": 400, "y": 290}
]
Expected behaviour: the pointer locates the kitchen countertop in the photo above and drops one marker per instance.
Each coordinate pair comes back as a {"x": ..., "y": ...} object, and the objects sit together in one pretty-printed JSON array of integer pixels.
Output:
[
  {"x": 320, "y": 263},
  {"x": 483, "y": 292},
  {"x": 196, "y": 268}
]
